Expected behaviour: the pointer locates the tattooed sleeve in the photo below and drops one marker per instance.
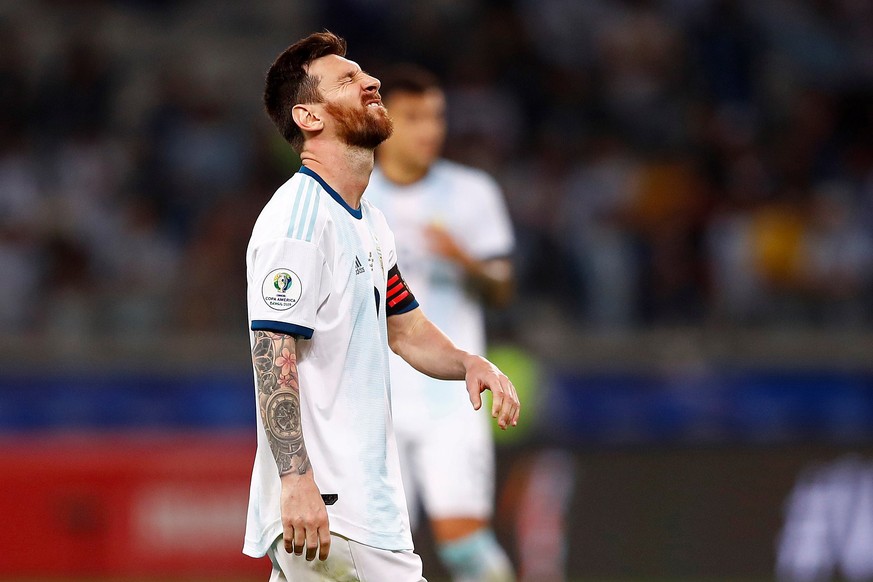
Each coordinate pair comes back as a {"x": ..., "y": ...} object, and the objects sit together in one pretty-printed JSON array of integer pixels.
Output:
[{"x": 275, "y": 360}]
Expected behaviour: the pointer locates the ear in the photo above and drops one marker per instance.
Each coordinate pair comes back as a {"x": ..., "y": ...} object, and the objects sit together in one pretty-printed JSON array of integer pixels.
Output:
[{"x": 307, "y": 117}]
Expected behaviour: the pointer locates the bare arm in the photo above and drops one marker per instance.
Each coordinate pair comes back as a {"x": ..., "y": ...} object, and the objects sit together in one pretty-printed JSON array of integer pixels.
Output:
[
  {"x": 275, "y": 360},
  {"x": 304, "y": 517},
  {"x": 426, "y": 348}
]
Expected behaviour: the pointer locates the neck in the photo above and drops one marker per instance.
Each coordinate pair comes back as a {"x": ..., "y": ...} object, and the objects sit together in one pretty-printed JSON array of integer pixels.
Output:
[
  {"x": 346, "y": 169},
  {"x": 401, "y": 173}
]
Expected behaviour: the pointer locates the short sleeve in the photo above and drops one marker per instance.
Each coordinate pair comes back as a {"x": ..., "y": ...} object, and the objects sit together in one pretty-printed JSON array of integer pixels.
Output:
[
  {"x": 286, "y": 287},
  {"x": 497, "y": 239}
]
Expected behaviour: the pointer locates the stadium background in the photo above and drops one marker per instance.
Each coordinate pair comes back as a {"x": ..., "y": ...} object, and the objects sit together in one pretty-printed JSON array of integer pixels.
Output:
[{"x": 691, "y": 183}]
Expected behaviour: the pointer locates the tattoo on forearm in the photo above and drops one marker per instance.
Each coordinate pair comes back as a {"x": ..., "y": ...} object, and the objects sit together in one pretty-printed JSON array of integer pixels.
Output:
[{"x": 275, "y": 362}]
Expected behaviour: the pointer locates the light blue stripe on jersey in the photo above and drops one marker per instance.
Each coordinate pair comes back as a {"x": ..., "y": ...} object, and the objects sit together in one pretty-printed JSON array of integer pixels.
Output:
[
  {"x": 311, "y": 226},
  {"x": 304, "y": 214},
  {"x": 294, "y": 210},
  {"x": 302, "y": 221}
]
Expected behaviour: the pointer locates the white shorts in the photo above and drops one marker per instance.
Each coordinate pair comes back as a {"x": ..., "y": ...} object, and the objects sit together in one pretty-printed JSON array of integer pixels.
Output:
[
  {"x": 447, "y": 465},
  {"x": 348, "y": 561}
]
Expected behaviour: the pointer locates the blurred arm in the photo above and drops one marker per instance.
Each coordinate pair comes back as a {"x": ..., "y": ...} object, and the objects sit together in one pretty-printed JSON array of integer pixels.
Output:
[{"x": 493, "y": 278}]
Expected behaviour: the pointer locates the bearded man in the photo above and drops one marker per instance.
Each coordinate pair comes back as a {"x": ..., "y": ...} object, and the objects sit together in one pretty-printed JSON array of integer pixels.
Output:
[{"x": 326, "y": 480}]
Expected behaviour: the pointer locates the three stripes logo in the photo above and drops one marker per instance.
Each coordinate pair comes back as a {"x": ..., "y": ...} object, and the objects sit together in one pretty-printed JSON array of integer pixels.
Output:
[{"x": 359, "y": 268}]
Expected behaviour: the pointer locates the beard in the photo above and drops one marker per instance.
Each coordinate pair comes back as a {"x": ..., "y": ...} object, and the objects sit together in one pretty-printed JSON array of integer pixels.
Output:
[{"x": 359, "y": 129}]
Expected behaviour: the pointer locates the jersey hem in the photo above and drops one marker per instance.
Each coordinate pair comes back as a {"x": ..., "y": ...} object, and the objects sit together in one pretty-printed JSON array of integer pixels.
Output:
[
  {"x": 390, "y": 542},
  {"x": 258, "y": 548}
]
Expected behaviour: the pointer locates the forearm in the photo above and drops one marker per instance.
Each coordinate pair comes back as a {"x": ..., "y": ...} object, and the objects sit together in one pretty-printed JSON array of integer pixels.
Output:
[
  {"x": 425, "y": 347},
  {"x": 275, "y": 361}
]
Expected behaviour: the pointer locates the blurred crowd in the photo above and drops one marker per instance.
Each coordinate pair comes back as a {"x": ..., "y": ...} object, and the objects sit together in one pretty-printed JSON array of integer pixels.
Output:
[{"x": 666, "y": 162}]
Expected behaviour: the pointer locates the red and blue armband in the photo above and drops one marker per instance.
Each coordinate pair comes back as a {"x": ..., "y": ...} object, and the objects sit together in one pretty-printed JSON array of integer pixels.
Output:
[{"x": 399, "y": 298}]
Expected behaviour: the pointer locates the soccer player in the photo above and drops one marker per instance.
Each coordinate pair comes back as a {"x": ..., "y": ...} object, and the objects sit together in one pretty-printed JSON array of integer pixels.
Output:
[
  {"x": 325, "y": 299},
  {"x": 454, "y": 238}
]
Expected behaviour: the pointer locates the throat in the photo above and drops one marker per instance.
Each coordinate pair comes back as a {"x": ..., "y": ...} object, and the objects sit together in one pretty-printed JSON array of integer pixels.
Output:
[{"x": 347, "y": 172}]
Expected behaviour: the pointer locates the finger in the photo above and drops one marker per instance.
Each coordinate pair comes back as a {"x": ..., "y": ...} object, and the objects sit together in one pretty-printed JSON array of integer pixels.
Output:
[
  {"x": 498, "y": 398},
  {"x": 311, "y": 544},
  {"x": 507, "y": 410},
  {"x": 517, "y": 404},
  {"x": 289, "y": 539},
  {"x": 323, "y": 543},
  {"x": 299, "y": 540},
  {"x": 475, "y": 394}
]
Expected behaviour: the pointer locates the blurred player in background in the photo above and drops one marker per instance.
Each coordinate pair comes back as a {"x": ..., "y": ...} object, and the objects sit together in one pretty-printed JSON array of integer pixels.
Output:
[{"x": 454, "y": 239}]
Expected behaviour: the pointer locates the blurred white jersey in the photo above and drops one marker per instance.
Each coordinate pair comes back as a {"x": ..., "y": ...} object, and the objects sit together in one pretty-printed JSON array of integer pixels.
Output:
[
  {"x": 317, "y": 268},
  {"x": 468, "y": 203}
]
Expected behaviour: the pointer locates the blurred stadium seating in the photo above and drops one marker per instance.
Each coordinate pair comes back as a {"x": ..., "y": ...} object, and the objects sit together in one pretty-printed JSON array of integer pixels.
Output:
[{"x": 691, "y": 183}]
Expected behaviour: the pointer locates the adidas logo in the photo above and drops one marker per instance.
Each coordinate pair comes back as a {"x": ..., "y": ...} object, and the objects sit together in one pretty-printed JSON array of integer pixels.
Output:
[{"x": 359, "y": 268}]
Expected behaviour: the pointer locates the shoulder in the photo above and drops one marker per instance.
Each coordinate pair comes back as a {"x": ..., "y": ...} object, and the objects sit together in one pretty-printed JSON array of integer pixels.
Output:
[
  {"x": 293, "y": 211},
  {"x": 306, "y": 219},
  {"x": 466, "y": 177},
  {"x": 372, "y": 213},
  {"x": 296, "y": 187}
]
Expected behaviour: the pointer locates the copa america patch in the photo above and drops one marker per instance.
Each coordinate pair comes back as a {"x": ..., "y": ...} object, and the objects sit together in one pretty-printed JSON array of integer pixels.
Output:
[{"x": 281, "y": 289}]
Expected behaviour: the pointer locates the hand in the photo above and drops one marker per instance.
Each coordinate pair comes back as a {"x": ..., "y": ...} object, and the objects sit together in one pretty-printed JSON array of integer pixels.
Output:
[
  {"x": 442, "y": 243},
  {"x": 304, "y": 517},
  {"x": 483, "y": 375}
]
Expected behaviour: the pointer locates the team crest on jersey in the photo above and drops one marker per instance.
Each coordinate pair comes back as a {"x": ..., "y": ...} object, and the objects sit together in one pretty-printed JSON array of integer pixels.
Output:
[{"x": 281, "y": 289}]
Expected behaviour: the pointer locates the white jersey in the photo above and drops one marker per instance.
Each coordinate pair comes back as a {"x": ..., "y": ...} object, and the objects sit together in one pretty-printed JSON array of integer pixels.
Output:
[
  {"x": 468, "y": 203},
  {"x": 317, "y": 268}
]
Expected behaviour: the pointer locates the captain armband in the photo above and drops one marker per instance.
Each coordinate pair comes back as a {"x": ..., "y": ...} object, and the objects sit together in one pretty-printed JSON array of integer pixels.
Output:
[{"x": 399, "y": 298}]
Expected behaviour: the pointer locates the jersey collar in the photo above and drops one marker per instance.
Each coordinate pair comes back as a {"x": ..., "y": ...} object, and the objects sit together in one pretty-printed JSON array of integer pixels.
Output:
[{"x": 333, "y": 193}]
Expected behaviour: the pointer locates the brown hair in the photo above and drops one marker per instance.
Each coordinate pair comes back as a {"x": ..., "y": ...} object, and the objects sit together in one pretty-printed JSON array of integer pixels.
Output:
[
  {"x": 406, "y": 78},
  {"x": 288, "y": 84}
]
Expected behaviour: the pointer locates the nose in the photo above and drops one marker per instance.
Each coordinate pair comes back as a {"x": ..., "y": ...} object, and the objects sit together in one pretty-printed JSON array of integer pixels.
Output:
[{"x": 372, "y": 84}]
